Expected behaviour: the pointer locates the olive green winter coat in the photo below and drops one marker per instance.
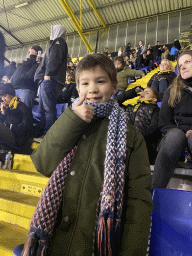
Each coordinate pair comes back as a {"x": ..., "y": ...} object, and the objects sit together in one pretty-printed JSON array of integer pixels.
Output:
[
  {"x": 123, "y": 74},
  {"x": 74, "y": 230}
]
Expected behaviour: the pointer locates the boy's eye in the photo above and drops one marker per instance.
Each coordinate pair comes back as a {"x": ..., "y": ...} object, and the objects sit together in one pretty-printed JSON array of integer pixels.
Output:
[{"x": 101, "y": 81}]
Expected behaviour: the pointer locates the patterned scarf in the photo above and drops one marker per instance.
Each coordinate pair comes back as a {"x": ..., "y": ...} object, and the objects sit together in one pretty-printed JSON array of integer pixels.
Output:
[
  {"x": 111, "y": 201},
  {"x": 164, "y": 72}
]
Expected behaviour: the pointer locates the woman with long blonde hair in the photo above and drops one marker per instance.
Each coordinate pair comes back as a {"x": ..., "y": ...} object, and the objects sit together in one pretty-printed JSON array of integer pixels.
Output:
[
  {"x": 175, "y": 122},
  {"x": 163, "y": 78}
]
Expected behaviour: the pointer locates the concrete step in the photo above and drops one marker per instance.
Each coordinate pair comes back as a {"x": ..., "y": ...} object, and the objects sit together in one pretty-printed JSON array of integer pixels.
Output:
[
  {"x": 17, "y": 208},
  {"x": 10, "y": 237},
  {"x": 31, "y": 183}
]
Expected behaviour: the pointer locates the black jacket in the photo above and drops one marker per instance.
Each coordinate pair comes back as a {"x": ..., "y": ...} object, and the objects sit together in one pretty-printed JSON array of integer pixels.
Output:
[
  {"x": 23, "y": 77},
  {"x": 169, "y": 76},
  {"x": 179, "y": 116},
  {"x": 20, "y": 121},
  {"x": 68, "y": 94},
  {"x": 54, "y": 62}
]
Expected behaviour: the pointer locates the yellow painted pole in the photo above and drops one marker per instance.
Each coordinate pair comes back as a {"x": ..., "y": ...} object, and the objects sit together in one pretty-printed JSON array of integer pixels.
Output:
[
  {"x": 81, "y": 15},
  {"x": 71, "y": 14},
  {"x": 97, "y": 13}
]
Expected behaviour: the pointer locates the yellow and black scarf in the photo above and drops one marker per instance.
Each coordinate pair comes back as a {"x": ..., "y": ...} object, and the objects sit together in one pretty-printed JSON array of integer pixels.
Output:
[
  {"x": 14, "y": 103},
  {"x": 139, "y": 102}
]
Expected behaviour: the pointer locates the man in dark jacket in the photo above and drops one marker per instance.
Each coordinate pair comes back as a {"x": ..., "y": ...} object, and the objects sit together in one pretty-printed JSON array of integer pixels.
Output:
[
  {"x": 51, "y": 75},
  {"x": 16, "y": 121},
  {"x": 23, "y": 77}
]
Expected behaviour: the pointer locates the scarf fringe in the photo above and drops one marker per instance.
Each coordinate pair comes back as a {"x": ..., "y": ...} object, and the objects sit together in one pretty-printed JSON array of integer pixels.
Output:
[
  {"x": 106, "y": 235},
  {"x": 35, "y": 244}
]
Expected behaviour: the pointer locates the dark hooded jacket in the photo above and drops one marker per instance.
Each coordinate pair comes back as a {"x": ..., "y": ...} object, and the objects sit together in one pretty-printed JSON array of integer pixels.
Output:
[
  {"x": 23, "y": 77},
  {"x": 54, "y": 62}
]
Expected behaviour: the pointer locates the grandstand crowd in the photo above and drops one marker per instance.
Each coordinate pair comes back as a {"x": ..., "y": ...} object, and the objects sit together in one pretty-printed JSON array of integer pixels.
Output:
[{"x": 35, "y": 92}]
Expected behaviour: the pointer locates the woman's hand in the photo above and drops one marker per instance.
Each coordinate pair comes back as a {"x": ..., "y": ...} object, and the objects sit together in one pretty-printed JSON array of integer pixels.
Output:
[{"x": 85, "y": 112}]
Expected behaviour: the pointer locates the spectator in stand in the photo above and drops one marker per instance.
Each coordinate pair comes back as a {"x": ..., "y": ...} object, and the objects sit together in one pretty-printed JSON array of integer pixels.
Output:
[
  {"x": 141, "y": 54},
  {"x": 71, "y": 66},
  {"x": 175, "y": 122},
  {"x": 76, "y": 61},
  {"x": 132, "y": 60},
  {"x": 173, "y": 53},
  {"x": 149, "y": 48},
  {"x": 148, "y": 61},
  {"x": 2, "y": 57},
  {"x": 143, "y": 115},
  {"x": 128, "y": 50},
  {"x": 51, "y": 75},
  {"x": 163, "y": 78},
  {"x": 16, "y": 121},
  {"x": 106, "y": 51},
  {"x": 158, "y": 51},
  {"x": 177, "y": 44},
  {"x": 69, "y": 92},
  {"x": 121, "y": 51},
  {"x": 123, "y": 73},
  {"x": 23, "y": 77},
  {"x": 165, "y": 52},
  {"x": 9, "y": 70}
]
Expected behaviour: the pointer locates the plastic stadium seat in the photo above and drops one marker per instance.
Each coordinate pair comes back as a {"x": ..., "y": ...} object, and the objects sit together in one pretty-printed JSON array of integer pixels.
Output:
[
  {"x": 18, "y": 250},
  {"x": 171, "y": 233},
  {"x": 159, "y": 104}
]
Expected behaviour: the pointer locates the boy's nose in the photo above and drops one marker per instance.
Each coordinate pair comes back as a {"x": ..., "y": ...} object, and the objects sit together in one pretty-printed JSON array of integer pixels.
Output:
[{"x": 93, "y": 88}]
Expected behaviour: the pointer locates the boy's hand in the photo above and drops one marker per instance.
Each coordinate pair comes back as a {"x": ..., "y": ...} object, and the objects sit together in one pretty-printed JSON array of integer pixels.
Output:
[{"x": 85, "y": 112}]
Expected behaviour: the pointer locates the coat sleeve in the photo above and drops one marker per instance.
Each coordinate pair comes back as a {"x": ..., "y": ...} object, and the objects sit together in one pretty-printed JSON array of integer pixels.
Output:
[
  {"x": 166, "y": 115},
  {"x": 134, "y": 73},
  {"x": 138, "y": 201},
  {"x": 125, "y": 95},
  {"x": 59, "y": 140},
  {"x": 56, "y": 55}
]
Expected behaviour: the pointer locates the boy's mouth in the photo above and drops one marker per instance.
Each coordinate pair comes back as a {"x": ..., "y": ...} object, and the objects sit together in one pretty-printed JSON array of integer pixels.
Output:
[{"x": 94, "y": 99}]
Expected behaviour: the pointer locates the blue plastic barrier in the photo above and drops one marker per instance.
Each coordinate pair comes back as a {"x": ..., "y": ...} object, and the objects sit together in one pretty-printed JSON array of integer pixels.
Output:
[{"x": 171, "y": 232}]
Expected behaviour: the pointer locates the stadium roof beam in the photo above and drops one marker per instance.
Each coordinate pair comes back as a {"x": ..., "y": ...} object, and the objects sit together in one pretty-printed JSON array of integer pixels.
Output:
[
  {"x": 7, "y": 31},
  {"x": 75, "y": 21}
]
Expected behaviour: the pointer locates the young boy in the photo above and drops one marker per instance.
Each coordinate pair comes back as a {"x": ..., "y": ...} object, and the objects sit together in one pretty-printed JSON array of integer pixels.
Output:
[
  {"x": 105, "y": 198},
  {"x": 144, "y": 115}
]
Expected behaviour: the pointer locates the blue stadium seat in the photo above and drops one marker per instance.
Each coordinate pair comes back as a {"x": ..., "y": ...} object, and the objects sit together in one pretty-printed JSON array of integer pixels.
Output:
[
  {"x": 18, "y": 249},
  {"x": 159, "y": 104},
  {"x": 171, "y": 232}
]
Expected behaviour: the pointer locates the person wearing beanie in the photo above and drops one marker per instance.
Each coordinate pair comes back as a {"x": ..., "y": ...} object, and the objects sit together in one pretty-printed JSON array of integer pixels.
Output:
[
  {"x": 23, "y": 77},
  {"x": 16, "y": 121},
  {"x": 51, "y": 75}
]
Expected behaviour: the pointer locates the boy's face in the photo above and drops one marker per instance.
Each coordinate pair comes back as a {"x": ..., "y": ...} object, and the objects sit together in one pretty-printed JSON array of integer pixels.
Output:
[
  {"x": 118, "y": 64},
  {"x": 7, "y": 99},
  {"x": 147, "y": 94},
  {"x": 95, "y": 85}
]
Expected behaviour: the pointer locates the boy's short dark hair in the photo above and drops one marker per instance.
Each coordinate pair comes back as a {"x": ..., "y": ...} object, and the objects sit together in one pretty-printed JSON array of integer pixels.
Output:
[
  {"x": 97, "y": 59},
  {"x": 119, "y": 58}
]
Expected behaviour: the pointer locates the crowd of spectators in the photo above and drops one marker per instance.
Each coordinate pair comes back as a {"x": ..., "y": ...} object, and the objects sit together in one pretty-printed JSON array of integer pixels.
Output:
[{"x": 50, "y": 79}]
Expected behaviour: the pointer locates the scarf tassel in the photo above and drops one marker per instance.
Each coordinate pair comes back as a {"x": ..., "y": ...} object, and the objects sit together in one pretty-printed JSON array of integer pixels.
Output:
[
  {"x": 35, "y": 245},
  {"x": 105, "y": 235}
]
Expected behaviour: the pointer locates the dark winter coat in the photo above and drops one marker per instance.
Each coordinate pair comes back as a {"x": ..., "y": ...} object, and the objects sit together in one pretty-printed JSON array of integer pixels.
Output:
[
  {"x": 145, "y": 119},
  {"x": 74, "y": 230},
  {"x": 54, "y": 62},
  {"x": 169, "y": 76},
  {"x": 178, "y": 117},
  {"x": 23, "y": 77},
  {"x": 20, "y": 122}
]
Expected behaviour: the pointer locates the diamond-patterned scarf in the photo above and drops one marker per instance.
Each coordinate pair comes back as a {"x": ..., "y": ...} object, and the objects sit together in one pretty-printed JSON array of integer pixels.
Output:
[{"x": 111, "y": 201}]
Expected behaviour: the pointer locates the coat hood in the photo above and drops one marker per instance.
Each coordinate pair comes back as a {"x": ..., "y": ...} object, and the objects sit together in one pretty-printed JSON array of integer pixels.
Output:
[{"x": 57, "y": 31}]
